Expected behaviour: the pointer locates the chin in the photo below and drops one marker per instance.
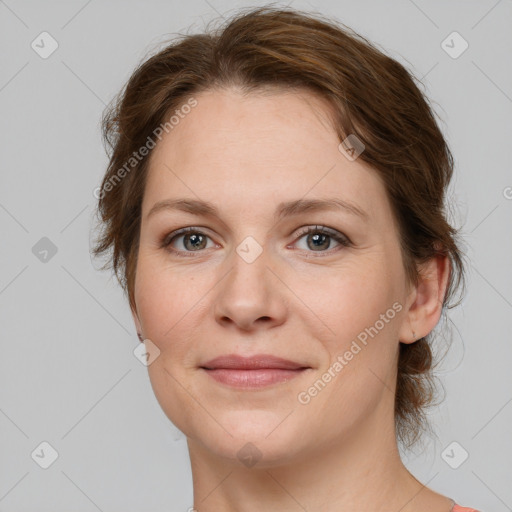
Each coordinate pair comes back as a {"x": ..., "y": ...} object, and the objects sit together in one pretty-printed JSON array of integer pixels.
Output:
[{"x": 257, "y": 439}]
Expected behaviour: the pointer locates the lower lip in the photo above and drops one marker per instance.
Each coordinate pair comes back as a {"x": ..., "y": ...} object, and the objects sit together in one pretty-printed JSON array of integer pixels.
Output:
[{"x": 253, "y": 378}]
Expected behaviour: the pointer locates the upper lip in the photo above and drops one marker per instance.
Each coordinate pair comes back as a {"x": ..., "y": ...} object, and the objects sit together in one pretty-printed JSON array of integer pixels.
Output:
[{"x": 258, "y": 361}]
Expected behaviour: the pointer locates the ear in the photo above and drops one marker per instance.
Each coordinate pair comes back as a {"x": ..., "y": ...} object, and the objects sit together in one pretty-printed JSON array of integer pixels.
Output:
[
  {"x": 425, "y": 302},
  {"x": 136, "y": 320}
]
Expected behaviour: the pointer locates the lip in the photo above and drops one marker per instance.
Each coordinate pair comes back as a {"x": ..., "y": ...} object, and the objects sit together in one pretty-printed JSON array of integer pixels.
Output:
[
  {"x": 256, "y": 362},
  {"x": 252, "y": 372}
]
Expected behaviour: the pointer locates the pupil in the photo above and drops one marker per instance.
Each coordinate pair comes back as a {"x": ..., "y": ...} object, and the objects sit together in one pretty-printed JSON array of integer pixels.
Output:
[
  {"x": 196, "y": 240},
  {"x": 317, "y": 238}
]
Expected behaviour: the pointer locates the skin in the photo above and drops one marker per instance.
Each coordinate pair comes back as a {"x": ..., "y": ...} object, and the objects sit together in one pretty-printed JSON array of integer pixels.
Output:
[{"x": 245, "y": 154}]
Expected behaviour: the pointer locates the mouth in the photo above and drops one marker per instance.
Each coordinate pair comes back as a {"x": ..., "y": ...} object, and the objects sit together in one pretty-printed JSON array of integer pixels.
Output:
[{"x": 252, "y": 372}]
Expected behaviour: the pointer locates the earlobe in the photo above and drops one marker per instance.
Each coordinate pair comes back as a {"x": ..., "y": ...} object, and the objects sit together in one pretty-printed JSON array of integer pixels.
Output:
[{"x": 427, "y": 303}]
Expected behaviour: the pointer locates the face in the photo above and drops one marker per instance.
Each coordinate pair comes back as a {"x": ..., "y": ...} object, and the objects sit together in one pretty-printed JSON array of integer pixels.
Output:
[{"x": 249, "y": 279}]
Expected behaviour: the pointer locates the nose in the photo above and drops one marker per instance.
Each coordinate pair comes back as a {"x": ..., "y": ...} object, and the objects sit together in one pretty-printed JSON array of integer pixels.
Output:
[{"x": 251, "y": 295}]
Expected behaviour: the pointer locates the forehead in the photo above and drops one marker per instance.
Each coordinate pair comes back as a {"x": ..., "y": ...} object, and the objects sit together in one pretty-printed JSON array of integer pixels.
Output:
[
  {"x": 243, "y": 150},
  {"x": 227, "y": 120}
]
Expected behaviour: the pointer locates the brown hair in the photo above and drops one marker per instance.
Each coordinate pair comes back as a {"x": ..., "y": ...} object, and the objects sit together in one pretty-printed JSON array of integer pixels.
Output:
[{"x": 372, "y": 96}]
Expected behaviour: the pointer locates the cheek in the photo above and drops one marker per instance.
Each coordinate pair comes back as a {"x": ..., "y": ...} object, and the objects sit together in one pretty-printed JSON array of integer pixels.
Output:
[
  {"x": 360, "y": 308},
  {"x": 348, "y": 299},
  {"x": 168, "y": 303},
  {"x": 167, "y": 299},
  {"x": 360, "y": 369}
]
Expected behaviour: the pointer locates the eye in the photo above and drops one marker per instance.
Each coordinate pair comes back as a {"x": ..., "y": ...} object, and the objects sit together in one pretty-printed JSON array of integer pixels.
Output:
[
  {"x": 319, "y": 238},
  {"x": 193, "y": 240}
]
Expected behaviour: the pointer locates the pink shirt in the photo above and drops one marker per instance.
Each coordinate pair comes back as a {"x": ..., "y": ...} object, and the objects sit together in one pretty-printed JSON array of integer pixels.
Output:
[{"x": 458, "y": 508}]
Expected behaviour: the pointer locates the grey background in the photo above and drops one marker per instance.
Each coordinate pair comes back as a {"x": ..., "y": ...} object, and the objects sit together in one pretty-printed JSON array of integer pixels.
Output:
[{"x": 68, "y": 373}]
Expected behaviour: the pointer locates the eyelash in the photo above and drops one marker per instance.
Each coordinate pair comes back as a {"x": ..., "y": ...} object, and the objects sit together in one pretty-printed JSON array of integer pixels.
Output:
[{"x": 335, "y": 235}]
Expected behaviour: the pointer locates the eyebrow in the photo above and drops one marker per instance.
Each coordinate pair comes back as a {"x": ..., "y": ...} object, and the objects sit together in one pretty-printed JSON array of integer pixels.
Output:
[{"x": 285, "y": 209}]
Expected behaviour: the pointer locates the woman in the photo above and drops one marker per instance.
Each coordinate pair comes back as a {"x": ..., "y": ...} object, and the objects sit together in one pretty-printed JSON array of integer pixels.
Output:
[{"x": 274, "y": 204}]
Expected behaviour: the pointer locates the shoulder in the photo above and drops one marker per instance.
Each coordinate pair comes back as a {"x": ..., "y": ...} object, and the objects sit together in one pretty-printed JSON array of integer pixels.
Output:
[{"x": 458, "y": 508}]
